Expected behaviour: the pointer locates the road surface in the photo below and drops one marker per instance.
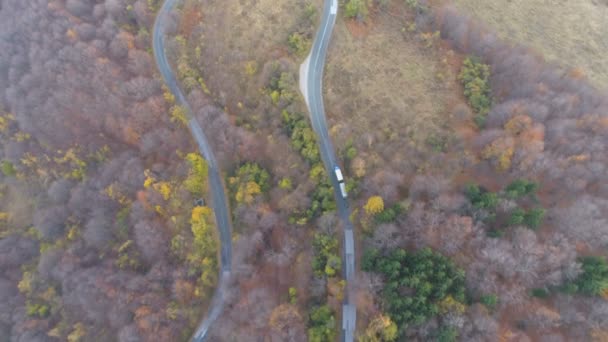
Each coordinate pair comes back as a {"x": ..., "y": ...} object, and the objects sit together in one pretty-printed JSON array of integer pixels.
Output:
[
  {"x": 220, "y": 206},
  {"x": 311, "y": 86}
]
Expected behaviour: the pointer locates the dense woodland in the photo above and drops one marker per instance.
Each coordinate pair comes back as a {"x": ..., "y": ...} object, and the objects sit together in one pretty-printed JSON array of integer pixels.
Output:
[{"x": 495, "y": 231}]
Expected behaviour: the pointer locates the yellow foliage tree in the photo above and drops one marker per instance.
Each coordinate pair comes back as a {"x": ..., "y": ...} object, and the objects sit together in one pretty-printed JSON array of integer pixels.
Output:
[
  {"x": 204, "y": 250},
  {"x": 380, "y": 329},
  {"x": 247, "y": 192},
  {"x": 169, "y": 97},
  {"x": 374, "y": 205},
  {"x": 518, "y": 124},
  {"x": 164, "y": 188},
  {"x": 449, "y": 304},
  {"x": 196, "y": 183},
  {"x": 78, "y": 333},
  {"x": 178, "y": 115},
  {"x": 149, "y": 179},
  {"x": 25, "y": 285},
  {"x": 200, "y": 214},
  {"x": 501, "y": 150}
]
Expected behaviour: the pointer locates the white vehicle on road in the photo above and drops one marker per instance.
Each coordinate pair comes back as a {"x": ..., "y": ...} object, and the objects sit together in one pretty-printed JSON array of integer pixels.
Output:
[{"x": 338, "y": 173}]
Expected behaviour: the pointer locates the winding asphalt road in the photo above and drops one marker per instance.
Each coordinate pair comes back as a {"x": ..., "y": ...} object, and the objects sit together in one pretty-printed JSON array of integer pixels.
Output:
[
  {"x": 218, "y": 195},
  {"x": 311, "y": 86}
]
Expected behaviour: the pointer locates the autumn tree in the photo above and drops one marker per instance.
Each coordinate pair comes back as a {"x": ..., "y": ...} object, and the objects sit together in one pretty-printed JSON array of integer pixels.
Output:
[
  {"x": 374, "y": 205},
  {"x": 380, "y": 329},
  {"x": 196, "y": 183}
]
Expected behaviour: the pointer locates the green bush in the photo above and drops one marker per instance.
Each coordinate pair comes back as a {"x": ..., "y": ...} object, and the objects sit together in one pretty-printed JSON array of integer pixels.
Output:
[
  {"x": 37, "y": 310},
  {"x": 322, "y": 199},
  {"x": 389, "y": 214},
  {"x": 356, "y": 9},
  {"x": 520, "y": 188},
  {"x": 282, "y": 87},
  {"x": 517, "y": 217},
  {"x": 447, "y": 334},
  {"x": 593, "y": 281},
  {"x": 539, "y": 293},
  {"x": 326, "y": 260},
  {"x": 474, "y": 76},
  {"x": 298, "y": 44},
  {"x": 438, "y": 143},
  {"x": 481, "y": 198},
  {"x": 351, "y": 153},
  {"x": 322, "y": 325},
  {"x": 293, "y": 295},
  {"x": 8, "y": 169},
  {"x": 485, "y": 202},
  {"x": 430, "y": 278},
  {"x": 303, "y": 139},
  {"x": 496, "y": 233},
  {"x": 490, "y": 301},
  {"x": 534, "y": 218}
]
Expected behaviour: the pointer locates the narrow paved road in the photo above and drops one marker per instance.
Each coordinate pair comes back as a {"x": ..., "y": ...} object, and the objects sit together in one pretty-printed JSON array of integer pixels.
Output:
[
  {"x": 311, "y": 85},
  {"x": 220, "y": 205}
]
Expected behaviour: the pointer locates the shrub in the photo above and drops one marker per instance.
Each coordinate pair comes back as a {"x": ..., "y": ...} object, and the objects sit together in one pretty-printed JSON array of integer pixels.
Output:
[
  {"x": 539, "y": 293},
  {"x": 356, "y": 9},
  {"x": 447, "y": 334},
  {"x": 534, "y": 218},
  {"x": 179, "y": 115},
  {"x": 285, "y": 183},
  {"x": 593, "y": 281},
  {"x": 322, "y": 325},
  {"x": 37, "y": 310},
  {"x": 302, "y": 136},
  {"x": 381, "y": 328},
  {"x": 520, "y": 188},
  {"x": 489, "y": 301},
  {"x": 481, "y": 198},
  {"x": 351, "y": 153},
  {"x": 389, "y": 214},
  {"x": 8, "y": 169},
  {"x": 517, "y": 217},
  {"x": 326, "y": 260},
  {"x": 293, "y": 295},
  {"x": 298, "y": 44},
  {"x": 196, "y": 183}
]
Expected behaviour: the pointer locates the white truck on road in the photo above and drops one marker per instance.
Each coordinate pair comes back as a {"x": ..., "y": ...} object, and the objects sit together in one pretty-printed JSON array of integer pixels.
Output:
[{"x": 340, "y": 179}]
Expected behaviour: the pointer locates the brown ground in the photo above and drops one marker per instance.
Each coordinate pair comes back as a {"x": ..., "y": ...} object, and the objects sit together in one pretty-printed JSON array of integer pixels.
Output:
[
  {"x": 246, "y": 32},
  {"x": 571, "y": 33},
  {"x": 380, "y": 76}
]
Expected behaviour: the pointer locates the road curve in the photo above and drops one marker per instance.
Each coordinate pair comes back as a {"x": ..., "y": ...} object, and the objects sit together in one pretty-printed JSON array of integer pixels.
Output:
[
  {"x": 311, "y": 86},
  {"x": 218, "y": 195}
]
